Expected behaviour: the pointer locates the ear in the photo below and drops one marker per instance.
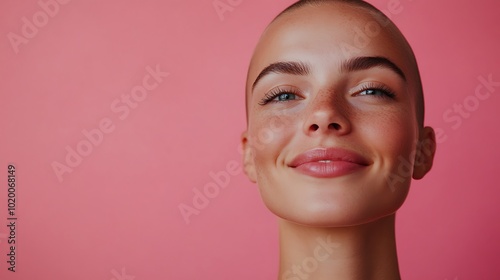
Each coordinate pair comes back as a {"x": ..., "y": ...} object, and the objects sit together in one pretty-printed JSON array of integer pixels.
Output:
[
  {"x": 424, "y": 157},
  {"x": 248, "y": 162}
]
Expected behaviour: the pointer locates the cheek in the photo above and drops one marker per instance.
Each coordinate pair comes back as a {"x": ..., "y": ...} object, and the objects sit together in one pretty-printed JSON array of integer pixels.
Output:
[
  {"x": 271, "y": 136},
  {"x": 268, "y": 137},
  {"x": 391, "y": 131},
  {"x": 392, "y": 137}
]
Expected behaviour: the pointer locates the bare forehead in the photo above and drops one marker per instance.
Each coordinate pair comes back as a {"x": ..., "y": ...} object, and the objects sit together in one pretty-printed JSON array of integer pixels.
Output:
[
  {"x": 329, "y": 17},
  {"x": 331, "y": 10},
  {"x": 308, "y": 26}
]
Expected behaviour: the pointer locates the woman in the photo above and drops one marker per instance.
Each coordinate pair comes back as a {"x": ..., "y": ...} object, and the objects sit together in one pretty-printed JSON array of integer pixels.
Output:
[{"x": 335, "y": 134}]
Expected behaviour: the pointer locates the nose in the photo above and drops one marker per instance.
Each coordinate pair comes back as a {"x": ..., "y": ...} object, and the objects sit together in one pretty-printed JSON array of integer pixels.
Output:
[{"x": 327, "y": 114}]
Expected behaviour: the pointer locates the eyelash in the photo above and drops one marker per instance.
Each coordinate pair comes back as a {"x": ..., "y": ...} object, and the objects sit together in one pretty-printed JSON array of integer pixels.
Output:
[
  {"x": 270, "y": 96},
  {"x": 386, "y": 92}
]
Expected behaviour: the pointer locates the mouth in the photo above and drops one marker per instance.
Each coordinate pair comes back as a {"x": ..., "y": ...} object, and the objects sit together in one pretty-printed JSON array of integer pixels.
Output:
[{"x": 328, "y": 162}]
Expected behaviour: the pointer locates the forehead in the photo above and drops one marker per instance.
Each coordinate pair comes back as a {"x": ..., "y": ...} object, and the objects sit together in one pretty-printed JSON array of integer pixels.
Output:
[{"x": 326, "y": 35}]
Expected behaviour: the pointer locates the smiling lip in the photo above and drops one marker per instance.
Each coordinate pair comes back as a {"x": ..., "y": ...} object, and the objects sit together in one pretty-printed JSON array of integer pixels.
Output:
[{"x": 328, "y": 162}]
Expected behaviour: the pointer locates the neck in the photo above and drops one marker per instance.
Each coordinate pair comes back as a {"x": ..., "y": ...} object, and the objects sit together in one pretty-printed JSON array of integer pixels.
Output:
[{"x": 365, "y": 251}]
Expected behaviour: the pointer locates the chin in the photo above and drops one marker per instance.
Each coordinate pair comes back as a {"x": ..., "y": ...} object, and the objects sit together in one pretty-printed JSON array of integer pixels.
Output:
[
  {"x": 330, "y": 218},
  {"x": 338, "y": 212},
  {"x": 333, "y": 219},
  {"x": 337, "y": 202}
]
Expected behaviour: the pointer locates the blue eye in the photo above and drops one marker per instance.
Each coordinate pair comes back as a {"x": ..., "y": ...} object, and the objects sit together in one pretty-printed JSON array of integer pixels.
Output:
[
  {"x": 378, "y": 92},
  {"x": 285, "y": 97},
  {"x": 279, "y": 95}
]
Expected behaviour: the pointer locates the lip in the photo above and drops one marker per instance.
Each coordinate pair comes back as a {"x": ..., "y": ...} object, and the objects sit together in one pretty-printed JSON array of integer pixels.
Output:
[{"x": 328, "y": 162}]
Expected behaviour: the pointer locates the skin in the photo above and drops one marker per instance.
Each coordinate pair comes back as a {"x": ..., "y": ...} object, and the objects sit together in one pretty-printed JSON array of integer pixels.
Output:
[{"x": 330, "y": 107}]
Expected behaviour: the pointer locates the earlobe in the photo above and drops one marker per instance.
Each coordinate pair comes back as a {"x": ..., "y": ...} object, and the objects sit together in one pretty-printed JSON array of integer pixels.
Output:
[
  {"x": 424, "y": 157},
  {"x": 248, "y": 162}
]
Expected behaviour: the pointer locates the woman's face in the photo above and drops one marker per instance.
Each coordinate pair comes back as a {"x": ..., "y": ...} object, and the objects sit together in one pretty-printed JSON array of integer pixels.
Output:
[{"x": 332, "y": 127}]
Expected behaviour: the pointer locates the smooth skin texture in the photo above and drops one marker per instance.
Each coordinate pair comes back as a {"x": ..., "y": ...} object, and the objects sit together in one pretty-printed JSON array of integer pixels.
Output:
[{"x": 312, "y": 84}]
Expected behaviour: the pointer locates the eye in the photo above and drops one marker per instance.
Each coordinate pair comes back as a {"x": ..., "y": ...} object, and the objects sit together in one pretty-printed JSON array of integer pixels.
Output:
[
  {"x": 285, "y": 96},
  {"x": 279, "y": 95},
  {"x": 377, "y": 91}
]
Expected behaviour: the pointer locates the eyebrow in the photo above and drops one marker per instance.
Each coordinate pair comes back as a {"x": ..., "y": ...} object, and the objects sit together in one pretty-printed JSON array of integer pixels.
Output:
[
  {"x": 351, "y": 65},
  {"x": 284, "y": 67},
  {"x": 367, "y": 62}
]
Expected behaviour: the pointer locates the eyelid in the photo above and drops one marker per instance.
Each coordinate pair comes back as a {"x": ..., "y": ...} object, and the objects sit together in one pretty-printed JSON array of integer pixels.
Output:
[
  {"x": 276, "y": 91},
  {"x": 371, "y": 85}
]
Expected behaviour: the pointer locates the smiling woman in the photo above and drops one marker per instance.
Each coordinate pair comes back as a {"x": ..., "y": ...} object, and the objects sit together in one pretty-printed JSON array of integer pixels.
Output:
[{"x": 347, "y": 118}]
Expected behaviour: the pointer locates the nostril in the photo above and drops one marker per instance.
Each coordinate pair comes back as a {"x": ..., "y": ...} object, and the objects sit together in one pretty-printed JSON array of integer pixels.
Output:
[
  {"x": 314, "y": 127},
  {"x": 335, "y": 126}
]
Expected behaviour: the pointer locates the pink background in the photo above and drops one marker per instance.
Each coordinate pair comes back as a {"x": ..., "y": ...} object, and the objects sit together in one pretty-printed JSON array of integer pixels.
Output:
[{"x": 118, "y": 208}]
